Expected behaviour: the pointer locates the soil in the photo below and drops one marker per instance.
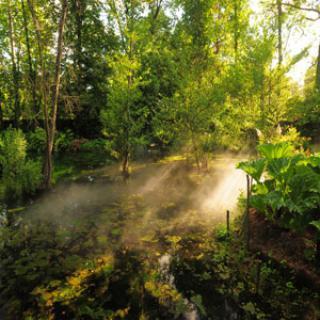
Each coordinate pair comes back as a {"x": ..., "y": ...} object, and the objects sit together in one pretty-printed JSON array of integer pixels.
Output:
[{"x": 284, "y": 247}]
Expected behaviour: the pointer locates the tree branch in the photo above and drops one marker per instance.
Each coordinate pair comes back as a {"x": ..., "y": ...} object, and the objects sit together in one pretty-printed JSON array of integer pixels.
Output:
[{"x": 302, "y": 8}]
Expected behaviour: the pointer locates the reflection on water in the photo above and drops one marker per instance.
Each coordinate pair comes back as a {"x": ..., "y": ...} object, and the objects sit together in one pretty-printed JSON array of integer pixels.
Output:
[{"x": 164, "y": 263}]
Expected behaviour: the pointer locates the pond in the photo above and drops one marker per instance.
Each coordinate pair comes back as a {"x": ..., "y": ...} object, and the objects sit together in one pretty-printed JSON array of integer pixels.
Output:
[{"x": 139, "y": 222}]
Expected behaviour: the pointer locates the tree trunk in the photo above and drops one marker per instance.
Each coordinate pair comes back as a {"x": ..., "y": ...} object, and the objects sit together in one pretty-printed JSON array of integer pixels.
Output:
[
  {"x": 247, "y": 217},
  {"x": 80, "y": 6},
  {"x": 15, "y": 72},
  {"x": 126, "y": 153},
  {"x": 43, "y": 81},
  {"x": 236, "y": 30},
  {"x": 1, "y": 115},
  {"x": 125, "y": 164},
  {"x": 195, "y": 150},
  {"x": 48, "y": 167},
  {"x": 32, "y": 73},
  {"x": 279, "y": 26},
  {"x": 262, "y": 104},
  {"x": 318, "y": 71}
]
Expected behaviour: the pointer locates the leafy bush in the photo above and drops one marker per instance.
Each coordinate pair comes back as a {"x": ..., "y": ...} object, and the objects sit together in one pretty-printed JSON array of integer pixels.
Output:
[
  {"x": 96, "y": 145},
  {"x": 288, "y": 134},
  {"x": 37, "y": 141},
  {"x": 63, "y": 140},
  {"x": 287, "y": 185},
  {"x": 19, "y": 175}
]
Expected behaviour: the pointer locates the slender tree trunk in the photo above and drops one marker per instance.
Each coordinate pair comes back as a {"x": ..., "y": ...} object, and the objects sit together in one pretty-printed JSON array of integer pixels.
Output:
[
  {"x": 280, "y": 58},
  {"x": 236, "y": 29},
  {"x": 262, "y": 103},
  {"x": 43, "y": 80},
  {"x": 125, "y": 163},
  {"x": 126, "y": 151},
  {"x": 247, "y": 218},
  {"x": 1, "y": 115},
  {"x": 279, "y": 27},
  {"x": 195, "y": 150},
  {"x": 155, "y": 9},
  {"x": 50, "y": 118},
  {"x": 318, "y": 71},
  {"x": 32, "y": 73},
  {"x": 80, "y": 4},
  {"x": 15, "y": 72},
  {"x": 48, "y": 166}
]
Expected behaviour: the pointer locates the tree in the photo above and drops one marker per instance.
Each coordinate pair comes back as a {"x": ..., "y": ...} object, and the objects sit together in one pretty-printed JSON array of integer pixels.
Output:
[
  {"x": 15, "y": 65},
  {"x": 126, "y": 114},
  {"x": 32, "y": 74},
  {"x": 50, "y": 115}
]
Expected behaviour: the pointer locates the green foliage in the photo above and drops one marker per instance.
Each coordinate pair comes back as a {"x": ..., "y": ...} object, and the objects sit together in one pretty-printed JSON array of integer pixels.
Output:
[
  {"x": 226, "y": 273},
  {"x": 36, "y": 141},
  {"x": 95, "y": 145},
  {"x": 63, "y": 140},
  {"x": 275, "y": 151},
  {"x": 253, "y": 168},
  {"x": 287, "y": 185},
  {"x": 123, "y": 122},
  {"x": 19, "y": 175}
]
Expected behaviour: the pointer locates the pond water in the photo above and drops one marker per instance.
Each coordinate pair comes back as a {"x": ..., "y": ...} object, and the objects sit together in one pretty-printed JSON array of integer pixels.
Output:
[
  {"x": 161, "y": 185},
  {"x": 191, "y": 312},
  {"x": 161, "y": 200}
]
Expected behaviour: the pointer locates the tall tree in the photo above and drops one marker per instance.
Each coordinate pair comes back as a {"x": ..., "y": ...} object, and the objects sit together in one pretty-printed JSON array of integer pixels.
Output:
[
  {"x": 124, "y": 113},
  {"x": 55, "y": 96},
  {"x": 279, "y": 28},
  {"x": 32, "y": 73},
  {"x": 311, "y": 12},
  {"x": 15, "y": 65},
  {"x": 50, "y": 114},
  {"x": 318, "y": 71}
]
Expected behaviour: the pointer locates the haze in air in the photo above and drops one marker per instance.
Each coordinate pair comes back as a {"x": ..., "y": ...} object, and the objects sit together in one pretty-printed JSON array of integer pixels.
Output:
[{"x": 159, "y": 159}]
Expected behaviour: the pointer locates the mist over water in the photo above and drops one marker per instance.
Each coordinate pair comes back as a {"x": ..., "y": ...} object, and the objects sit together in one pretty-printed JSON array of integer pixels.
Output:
[
  {"x": 228, "y": 182},
  {"x": 161, "y": 203},
  {"x": 165, "y": 197}
]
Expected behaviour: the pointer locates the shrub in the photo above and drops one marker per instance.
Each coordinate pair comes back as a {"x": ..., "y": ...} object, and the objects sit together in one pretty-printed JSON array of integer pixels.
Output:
[
  {"x": 286, "y": 134},
  {"x": 19, "y": 175},
  {"x": 287, "y": 188},
  {"x": 63, "y": 140},
  {"x": 37, "y": 141},
  {"x": 96, "y": 145}
]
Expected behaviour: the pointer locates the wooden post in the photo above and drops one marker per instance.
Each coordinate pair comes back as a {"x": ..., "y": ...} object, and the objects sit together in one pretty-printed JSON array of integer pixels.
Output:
[
  {"x": 247, "y": 225},
  {"x": 228, "y": 223}
]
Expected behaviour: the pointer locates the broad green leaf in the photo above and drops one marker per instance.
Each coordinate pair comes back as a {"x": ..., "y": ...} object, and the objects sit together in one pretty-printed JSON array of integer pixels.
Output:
[
  {"x": 253, "y": 168},
  {"x": 275, "y": 151},
  {"x": 278, "y": 167}
]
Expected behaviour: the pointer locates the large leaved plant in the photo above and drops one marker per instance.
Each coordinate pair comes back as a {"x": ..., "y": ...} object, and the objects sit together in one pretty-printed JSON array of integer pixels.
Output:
[{"x": 286, "y": 185}]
